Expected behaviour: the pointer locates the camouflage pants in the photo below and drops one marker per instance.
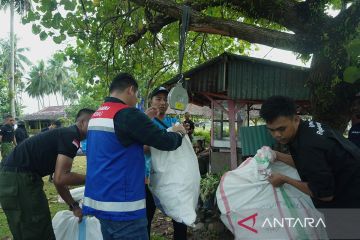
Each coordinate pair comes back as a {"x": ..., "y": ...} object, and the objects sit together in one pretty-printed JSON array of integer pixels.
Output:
[{"x": 6, "y": 148}]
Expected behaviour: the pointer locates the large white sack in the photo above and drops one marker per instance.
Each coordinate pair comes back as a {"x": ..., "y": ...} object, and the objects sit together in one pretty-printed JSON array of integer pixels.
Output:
[
  {"x": 175, "y": 181},
  {"x": 246, "y": 200},
  {"x": 67, "y": 227},
  {"x": 76, "y": 193}
]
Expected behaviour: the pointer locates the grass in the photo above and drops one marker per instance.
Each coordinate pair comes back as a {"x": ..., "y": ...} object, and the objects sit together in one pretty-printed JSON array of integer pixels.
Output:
[{"x": 79, "y": 166}]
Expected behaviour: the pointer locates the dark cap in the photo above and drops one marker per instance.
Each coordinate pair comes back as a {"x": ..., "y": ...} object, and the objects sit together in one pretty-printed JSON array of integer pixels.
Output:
[
  {"x": 158, "y": 90},
  {"x": 21, "y": 123}
]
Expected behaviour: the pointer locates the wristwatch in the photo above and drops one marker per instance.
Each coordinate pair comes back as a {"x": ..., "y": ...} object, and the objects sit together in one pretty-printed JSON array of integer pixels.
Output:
[{"x": 73, "y": 205}]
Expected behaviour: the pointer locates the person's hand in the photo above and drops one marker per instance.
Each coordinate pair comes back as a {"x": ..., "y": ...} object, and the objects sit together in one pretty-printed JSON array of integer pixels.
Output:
[
  {"x": 77, "y": 211},
  {"x": 276, "y": 179},
  {"x": 270, "y": 153},
  {"x": 179, "y": 128},
  {"x": 146, "y": 149},
  {"x": 274, "y": 155},
  {"x": 152, "y": 112}
]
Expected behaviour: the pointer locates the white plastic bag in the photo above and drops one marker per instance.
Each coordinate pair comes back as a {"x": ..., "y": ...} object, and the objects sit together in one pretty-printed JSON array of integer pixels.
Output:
[
  {"x": 253, "y": 209},
  {"x": 67, "y": 227},
  {"x": 175, "y": 181}
]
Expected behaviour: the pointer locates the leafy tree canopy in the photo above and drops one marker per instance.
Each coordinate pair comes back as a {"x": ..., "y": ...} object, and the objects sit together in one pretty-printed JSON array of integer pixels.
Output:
[{"x": 141, "y": 37}]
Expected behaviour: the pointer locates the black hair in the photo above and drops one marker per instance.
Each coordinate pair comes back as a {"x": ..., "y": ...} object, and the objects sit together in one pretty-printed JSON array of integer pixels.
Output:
[
  {"x": 277, "y": 106},
  {"x": 122, "y": 81},
  {"x": 84, "y": 111},
  {"x": 7, "y": 116}
]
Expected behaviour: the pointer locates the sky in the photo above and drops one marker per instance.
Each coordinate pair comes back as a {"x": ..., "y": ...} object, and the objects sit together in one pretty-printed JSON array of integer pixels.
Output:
[{"x": 43, "y": 50}]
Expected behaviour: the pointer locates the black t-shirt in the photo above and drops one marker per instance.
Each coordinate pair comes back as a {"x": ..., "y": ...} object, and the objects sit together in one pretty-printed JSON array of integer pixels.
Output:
[
  {"x": 7, "y": 133},
  {"x": 39, "y": 153},
  {"x": 329, "y": 163},
  {"x": 21, "y": 134},
  {"x": 354, "y": 134}
]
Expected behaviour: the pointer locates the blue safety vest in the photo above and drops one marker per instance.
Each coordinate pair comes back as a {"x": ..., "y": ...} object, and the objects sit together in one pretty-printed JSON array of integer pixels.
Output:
[{"x": 114, "y": 187}]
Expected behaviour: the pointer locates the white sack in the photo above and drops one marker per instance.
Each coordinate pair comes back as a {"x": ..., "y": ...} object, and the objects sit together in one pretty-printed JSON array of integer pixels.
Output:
[
  {"x": 67, "y": 227},
  {"x": 244, "y": 194},
  {"x": 175, "y": 181}
]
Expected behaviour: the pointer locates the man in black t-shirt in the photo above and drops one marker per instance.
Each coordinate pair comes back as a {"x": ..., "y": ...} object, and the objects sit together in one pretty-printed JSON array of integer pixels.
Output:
[
  {"x": 21, "y": 195},
  {"x": 354, "y": 132},
  {"x": 328, "y": 164},
  {"x": 21, "y": 133},
  {"x": 7, "y": 136}
]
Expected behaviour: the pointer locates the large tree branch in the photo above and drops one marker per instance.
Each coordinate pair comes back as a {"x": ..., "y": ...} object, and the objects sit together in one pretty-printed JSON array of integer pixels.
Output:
[
  {"x": 231, "y": 28},
  {"x": 347, "y": 21},
  {"x": 162, "y": 20},
  {"x": 284, "y": 12}
]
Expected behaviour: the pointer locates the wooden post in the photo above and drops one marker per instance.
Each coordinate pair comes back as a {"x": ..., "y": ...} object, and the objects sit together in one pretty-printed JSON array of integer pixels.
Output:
[{"x": 233, "y": 137}]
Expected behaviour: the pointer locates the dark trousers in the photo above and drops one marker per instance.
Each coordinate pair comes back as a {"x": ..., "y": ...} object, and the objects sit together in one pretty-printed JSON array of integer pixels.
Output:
[
  {"x": 124, "y": 230},
  {"x": 25, "y": 205},
  {"x": 180, "y": 229}
]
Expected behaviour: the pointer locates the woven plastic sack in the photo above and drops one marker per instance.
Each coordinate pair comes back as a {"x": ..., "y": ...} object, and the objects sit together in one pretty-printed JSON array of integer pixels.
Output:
[
  {"x": 251, "y": 208},
  {"x": 66, "y": 227},
  {"x": 175, "y": 182}
]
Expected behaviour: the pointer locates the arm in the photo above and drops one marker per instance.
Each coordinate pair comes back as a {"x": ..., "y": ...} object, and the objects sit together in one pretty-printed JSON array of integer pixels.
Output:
[
  {"x": 63, "y": 177},
  {"x": 285, "y": 158},
  {"x": 131, "y": 126},
  {"x": 278, "y": 180},
  {"x": 14, "y": 140}
]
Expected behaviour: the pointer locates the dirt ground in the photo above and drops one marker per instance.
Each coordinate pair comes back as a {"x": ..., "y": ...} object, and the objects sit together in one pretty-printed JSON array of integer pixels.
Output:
[{"x": 162, "y": 226}]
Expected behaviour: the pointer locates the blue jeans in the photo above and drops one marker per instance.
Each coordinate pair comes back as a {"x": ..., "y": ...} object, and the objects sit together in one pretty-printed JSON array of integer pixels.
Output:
[{"x": 125, "y": 230}]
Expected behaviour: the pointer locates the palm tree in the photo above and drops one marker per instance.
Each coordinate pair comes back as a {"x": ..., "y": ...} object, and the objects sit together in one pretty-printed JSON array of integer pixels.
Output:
[
  {"x": 20, "y": 6},
  {"x": 69, "y": 91},
  {"x": 39, "y": 84},
  {"x": 20, "y": 60},
  {"x": 58, "y": 74}
]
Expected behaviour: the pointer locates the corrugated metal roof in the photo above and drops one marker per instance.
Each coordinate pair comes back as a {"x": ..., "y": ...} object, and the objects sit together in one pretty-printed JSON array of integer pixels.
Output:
[
  {"x": 258, "y": 80},
  {"x": 244, "y": 78},
  {"x": 254, "y": 137}
]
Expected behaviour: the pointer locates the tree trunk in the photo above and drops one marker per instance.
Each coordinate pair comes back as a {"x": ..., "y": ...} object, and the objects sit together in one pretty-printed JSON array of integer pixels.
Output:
[
  {"x": 330, "y": 103},
  {"x": 38, "y": 102},
  {"x": 12, "y": 60}
]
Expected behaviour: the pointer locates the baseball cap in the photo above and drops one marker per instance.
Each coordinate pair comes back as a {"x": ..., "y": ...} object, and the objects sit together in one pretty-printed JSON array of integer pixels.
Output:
[{"x": 158, "y": 90}]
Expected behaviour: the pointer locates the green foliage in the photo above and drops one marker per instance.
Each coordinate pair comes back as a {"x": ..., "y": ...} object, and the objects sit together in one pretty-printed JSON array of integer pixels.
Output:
[
  {"x": 84, "y": 102},
  {"x": 351, "y": 74},
  {"x": 20, "y": 61},
  {"x": 204, "y": 133},
  {"x": 56, "y": 77},
  {"x": 102, "y": 31},
  {"x": 208, "y": 186}
]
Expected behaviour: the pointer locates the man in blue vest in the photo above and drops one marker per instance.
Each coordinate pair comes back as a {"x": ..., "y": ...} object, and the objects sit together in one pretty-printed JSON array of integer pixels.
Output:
[{"x": 115, "y": 181}]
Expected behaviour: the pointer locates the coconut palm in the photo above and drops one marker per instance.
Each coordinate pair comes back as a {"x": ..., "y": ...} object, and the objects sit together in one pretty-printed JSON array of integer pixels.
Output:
[
  {"x": 20, "y": 60},
  {"x": 58, "y": 74},
  {"x": 20, "y": 6},
  {"x": 39, "y": 83}
]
